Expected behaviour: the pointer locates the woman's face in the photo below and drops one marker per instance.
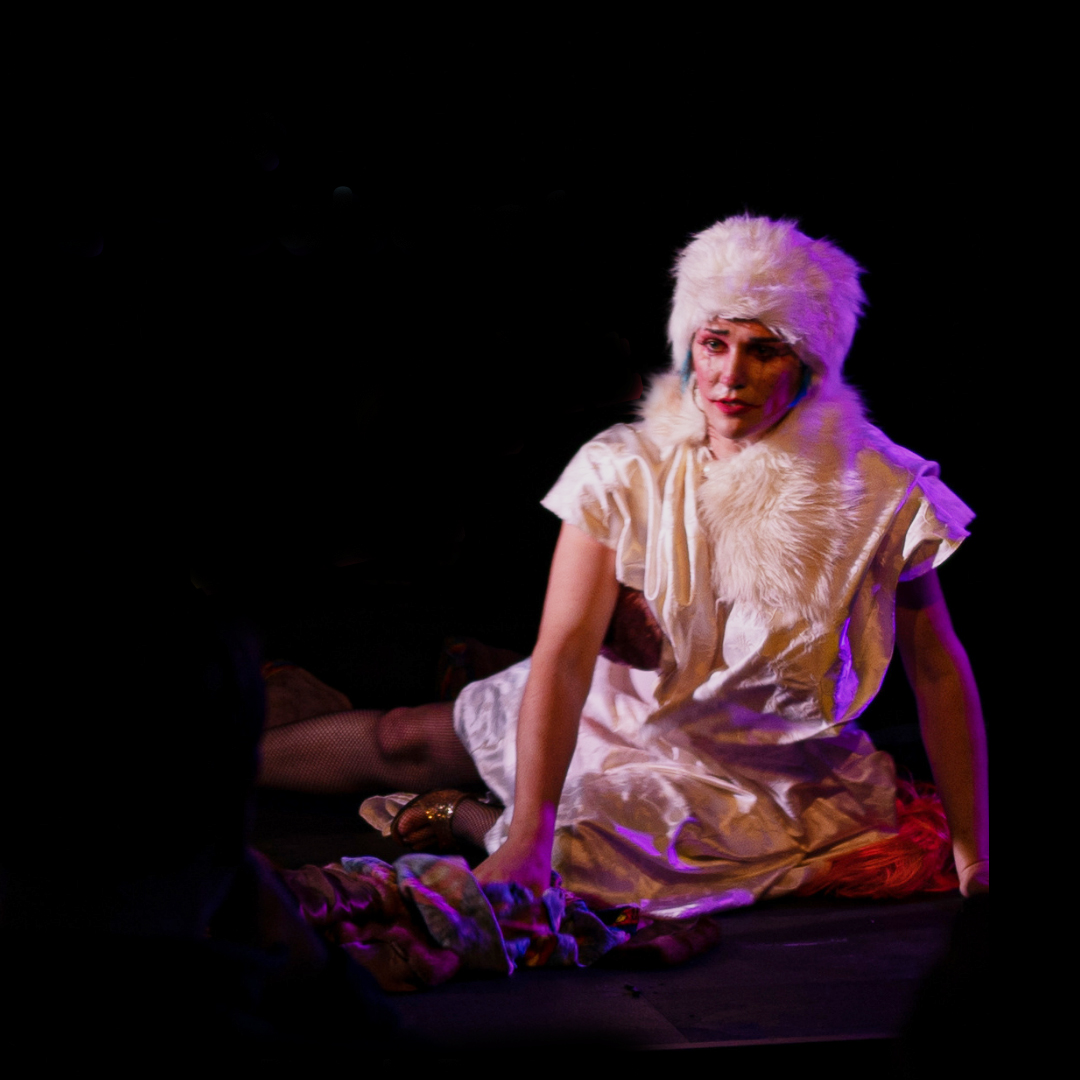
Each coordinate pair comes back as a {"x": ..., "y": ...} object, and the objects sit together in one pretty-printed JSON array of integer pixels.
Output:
[{"x": 747, "y": 378}]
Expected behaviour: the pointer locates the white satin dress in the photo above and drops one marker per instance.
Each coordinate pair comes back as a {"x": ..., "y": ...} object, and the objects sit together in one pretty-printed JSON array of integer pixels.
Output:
[{"x": 733, "y": 771}]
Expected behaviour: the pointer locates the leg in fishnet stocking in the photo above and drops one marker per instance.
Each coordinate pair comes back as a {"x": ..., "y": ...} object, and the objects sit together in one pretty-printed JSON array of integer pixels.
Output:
[
  {"x": 472, "y": 820},
  {"x": 362, "y": 751}
]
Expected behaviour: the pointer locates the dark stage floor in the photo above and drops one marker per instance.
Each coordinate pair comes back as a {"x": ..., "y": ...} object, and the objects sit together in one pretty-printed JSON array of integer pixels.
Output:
[{"x": 803, "y": 981}]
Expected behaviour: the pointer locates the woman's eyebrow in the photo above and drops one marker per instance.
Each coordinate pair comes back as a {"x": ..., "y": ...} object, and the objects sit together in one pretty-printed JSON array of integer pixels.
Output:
[{"x": 752, "y": 341}]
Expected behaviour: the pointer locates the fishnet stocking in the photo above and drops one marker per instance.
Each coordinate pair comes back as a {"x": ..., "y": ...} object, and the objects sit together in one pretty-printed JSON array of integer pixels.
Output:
[
  {"x": 363, "y": 751},
  {"x": 472, "y": 821}
]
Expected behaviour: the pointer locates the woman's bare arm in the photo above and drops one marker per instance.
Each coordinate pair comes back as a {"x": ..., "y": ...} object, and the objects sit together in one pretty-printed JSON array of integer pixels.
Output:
[
  {"x": 580, "y": 600},
  {"x": 950, "y": 717}
]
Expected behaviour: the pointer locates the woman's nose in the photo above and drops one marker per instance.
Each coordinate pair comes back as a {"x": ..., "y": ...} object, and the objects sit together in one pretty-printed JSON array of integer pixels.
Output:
[{"x": 733, "y": 370}]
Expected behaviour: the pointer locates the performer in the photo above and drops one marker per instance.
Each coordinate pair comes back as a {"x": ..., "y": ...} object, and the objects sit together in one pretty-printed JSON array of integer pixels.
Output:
[{"x": 751, "y": 550}]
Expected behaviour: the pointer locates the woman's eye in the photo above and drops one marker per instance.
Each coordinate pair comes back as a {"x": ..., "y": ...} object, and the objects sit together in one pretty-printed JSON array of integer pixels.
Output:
[{"x": 770, "y": 352}]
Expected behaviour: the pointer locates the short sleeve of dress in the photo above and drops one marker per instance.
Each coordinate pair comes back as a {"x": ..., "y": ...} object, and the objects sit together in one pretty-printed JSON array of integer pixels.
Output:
[
  {"x": 938, "y": 526},
  {"x": 610, "y": 491},
  {"x": 592, "y": 492}
]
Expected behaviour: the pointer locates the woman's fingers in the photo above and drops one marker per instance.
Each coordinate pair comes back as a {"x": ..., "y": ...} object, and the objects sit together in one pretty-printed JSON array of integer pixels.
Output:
[
  {"x": 416, "y": 833},
  {"x": 530, "y": 869}
]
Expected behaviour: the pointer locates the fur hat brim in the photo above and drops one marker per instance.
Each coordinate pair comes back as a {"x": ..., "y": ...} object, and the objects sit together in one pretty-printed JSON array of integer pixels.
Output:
[{"x": 805, "y": 291}]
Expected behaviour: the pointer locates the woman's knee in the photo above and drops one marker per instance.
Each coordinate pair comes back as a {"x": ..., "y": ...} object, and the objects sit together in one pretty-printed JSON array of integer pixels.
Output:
[{"x": 406, "y": 734}]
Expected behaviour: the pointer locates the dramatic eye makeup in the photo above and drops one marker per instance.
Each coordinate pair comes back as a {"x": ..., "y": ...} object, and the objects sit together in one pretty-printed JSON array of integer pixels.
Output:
[{"x": 762, "y": 348}]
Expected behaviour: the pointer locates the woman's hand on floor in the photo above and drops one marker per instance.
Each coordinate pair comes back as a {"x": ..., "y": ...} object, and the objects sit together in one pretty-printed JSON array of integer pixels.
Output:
[
  {"x": 975, "y": 879},
  {"x": 528, "y": 865}
]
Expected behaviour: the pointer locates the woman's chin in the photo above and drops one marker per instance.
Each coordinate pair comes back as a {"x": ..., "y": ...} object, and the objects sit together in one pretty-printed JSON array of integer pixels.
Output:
[{"x": 734, "y": 433}]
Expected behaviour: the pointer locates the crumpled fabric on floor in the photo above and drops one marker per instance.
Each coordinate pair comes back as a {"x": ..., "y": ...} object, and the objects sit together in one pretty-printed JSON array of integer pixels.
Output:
[{"x": 427, "y": 919}]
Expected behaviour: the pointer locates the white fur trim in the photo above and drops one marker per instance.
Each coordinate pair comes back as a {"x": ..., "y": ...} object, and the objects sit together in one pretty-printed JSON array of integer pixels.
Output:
[
  {"x": 780, "y": 514},
  {"x": 670, "y": 415},
  {"x": 805, "y": 291}
]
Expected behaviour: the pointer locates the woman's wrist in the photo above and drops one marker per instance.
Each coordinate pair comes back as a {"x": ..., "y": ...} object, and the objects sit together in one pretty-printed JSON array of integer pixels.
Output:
[
  {"x": 532, "y": 824},
  {"x": 967, "y": 851},
  {"x": 536, "y": 836}
]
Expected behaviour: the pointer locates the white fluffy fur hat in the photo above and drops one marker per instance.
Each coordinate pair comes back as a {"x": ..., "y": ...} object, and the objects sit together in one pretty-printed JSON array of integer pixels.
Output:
[{"x": 805, "y": 291}]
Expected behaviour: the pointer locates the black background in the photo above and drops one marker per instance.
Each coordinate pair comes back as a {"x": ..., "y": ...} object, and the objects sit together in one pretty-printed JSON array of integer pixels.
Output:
[{"x": 339, "y": 412}]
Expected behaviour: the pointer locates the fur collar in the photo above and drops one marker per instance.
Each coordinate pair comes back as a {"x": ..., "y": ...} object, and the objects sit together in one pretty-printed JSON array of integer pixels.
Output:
[{"x": 781, "y": 514}]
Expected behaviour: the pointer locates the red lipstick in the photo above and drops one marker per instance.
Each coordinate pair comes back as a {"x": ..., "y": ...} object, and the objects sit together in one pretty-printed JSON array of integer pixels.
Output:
[{"x": 732, "y": 407}]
